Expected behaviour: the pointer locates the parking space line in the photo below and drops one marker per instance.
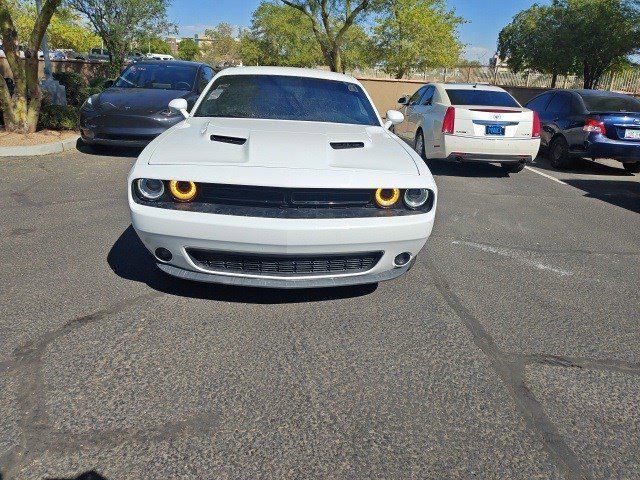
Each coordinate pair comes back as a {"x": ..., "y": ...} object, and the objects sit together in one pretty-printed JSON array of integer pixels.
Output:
[
  {"x": 550, "y": 177},
  {"x": 515, "y": 255}
]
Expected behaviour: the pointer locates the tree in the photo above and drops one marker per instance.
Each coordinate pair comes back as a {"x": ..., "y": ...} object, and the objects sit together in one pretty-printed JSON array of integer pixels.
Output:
[
  {"x": 120, "y": 22},
  {"x": 153, "y": 44},
  {"x": 603, "y": 33},
  {"x": 537, "y": 39},
  {"x": 222, "y": 46},
  {"x": 279, "y": 35},
  {"x": 588, "y": 37},
  {"x": 188, "y": 49},
  {"x": 330, "y": 20},
  {"x": 412, "y": 34},
  {"x": 21, "y": 109},
  {"x": 65, "y": 30}
]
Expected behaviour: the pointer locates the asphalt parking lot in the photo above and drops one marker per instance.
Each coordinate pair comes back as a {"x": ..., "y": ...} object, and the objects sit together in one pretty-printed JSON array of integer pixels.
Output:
[{"x": 511, "y": 350}]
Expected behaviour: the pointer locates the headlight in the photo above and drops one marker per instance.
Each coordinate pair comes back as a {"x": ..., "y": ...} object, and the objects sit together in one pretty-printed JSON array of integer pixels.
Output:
[
  {"x": 89, "y": 102},
  {"x": 415, "y": 198},
  {"x": 183, "y": 191},
  {"x": 387, "y": 197},
  {"x": 149, "y": 188}
]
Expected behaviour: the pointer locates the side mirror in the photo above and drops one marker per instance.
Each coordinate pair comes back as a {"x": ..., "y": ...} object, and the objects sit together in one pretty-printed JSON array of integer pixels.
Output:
[
  {"x": 394, "y": 117},
  {"x": 404, "y": 100},
  {"x": 179, "y": 105},
  {"x": 108, "y": 84}
]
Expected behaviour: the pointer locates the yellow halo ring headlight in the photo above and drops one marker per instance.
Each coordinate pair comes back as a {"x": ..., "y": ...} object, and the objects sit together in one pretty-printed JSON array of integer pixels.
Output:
[
  {"x": 183, "y": 191},
  {"x": 387, "y": 197}
]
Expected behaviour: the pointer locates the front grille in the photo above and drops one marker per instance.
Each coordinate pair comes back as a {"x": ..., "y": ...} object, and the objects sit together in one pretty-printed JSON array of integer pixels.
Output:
[
  {"x": 284, "y": 197},
  {"x": 126, "y": 137},
  {"x": 284, "y": 265}
]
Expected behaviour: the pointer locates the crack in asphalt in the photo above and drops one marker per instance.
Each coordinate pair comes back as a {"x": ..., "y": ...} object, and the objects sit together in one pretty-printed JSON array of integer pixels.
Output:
[
  {"x": 583, "y": 363},
  {"x": 510, "y": 369},
  {"x": 27, "y": 364}
]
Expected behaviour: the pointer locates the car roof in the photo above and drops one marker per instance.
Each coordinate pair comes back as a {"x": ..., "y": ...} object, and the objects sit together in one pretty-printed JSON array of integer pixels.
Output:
[
  {"x": 156, "y": 61},
  {"x": 289, "y": 71},
  {"x": 597, "y": 93}
]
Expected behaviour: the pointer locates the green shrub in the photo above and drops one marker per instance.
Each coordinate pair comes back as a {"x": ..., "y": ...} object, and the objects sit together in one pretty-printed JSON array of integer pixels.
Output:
[
  {"x": 98, "y": 82},
  {"x": 58, "y": 117},
  {"x": 75, "y": 85}
]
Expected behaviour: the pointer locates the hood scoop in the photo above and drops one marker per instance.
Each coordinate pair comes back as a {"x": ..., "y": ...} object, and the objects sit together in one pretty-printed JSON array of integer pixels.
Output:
[
  {"x": 226, "y": 139},
  {"x": 346, "y": 145}
]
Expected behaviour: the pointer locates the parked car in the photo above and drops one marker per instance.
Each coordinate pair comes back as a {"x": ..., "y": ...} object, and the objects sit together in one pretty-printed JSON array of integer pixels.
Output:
[
  {"x": 282, "y": 177},
  {"x": 72, "y": 54},
  {"x": 134, "y": 57},
  {"x": 160, "y": 56},
  {"x": 98, "y": 55},
  {"x": 470, "y": 123},
  {"x": 589, "y": 124},
  {"x": 57, "y": 55},
  {"x": 133, "y": 110}
]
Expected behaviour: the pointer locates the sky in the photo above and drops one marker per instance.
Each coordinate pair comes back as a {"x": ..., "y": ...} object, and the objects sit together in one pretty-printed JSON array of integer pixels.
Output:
[{"x": 485, "y": 19}]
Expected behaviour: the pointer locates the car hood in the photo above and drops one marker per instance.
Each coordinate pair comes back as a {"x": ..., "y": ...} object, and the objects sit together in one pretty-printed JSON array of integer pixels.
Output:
[
  {"x": 282, "y": 144},
  {"x": 136, "y": 100}
]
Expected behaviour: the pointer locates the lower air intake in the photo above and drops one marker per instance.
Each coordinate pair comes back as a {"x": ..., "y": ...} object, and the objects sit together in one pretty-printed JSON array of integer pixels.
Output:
[{"x": 283, "y": 265}]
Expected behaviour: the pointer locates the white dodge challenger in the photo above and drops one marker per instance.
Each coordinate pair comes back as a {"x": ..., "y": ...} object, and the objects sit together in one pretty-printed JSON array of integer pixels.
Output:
[{"x": 282, "y": 177}]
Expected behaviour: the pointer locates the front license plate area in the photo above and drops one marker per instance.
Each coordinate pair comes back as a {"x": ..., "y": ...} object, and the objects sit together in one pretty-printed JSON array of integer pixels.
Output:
[
  {"x": 632, "y": 134},
  {"x": 494, "y": 130}
]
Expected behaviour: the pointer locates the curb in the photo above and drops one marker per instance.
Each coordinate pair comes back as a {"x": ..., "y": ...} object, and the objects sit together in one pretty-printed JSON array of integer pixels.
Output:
[{"x": 36, "y": 150}]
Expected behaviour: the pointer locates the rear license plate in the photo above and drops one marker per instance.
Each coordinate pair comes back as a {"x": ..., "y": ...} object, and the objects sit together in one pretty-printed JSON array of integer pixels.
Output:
[
  {"x": 494, "y": 130},
  {"x": 632, "y": 134}
]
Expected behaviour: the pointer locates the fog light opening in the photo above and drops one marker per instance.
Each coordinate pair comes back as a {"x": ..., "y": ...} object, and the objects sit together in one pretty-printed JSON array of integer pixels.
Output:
[
  {"x": 402, "y": 259},
  {"x": 163, "y": 254}
]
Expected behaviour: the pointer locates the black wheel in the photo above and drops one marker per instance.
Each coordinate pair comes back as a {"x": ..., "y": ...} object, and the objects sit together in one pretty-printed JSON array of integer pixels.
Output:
[
  {"x": 419, "y": 144},
  {"x": 633, "y": 167},
  {"x": 559, "y": 153},
  {"x": 512, "y": 167}
]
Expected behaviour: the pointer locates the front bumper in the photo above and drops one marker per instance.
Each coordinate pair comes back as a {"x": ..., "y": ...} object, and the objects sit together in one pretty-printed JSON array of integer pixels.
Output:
[
  {"x": 179, "y": 230},
  {"x": 123, "y": 130},
  {"x": 482, "y": 149}
]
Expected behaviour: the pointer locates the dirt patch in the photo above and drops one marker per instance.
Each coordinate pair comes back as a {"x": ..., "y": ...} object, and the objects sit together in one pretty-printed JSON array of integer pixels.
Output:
[{"x": 9, "y": 139}]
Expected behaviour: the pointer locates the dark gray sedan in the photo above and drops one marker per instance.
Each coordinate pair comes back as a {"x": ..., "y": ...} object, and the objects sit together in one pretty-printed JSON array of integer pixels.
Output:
[{"x": 134, "y": 109}]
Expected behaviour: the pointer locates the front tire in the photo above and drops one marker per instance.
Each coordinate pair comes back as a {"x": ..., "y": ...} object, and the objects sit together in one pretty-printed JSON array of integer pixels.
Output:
[
  {"x": 632, "y": 167},
  {"x": 419, "y": 144},
  {"x": 512, "y": 167},
  {"x": 559, "y": 153}
]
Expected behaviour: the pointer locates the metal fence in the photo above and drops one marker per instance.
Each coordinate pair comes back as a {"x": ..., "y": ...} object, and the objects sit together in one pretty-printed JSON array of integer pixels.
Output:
[{"x": 627, "y": 81}]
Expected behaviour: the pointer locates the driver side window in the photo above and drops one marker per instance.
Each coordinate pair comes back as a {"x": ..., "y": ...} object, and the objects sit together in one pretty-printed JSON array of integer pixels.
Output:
[
  {"x": 415, "y": 98},
  {"x": 428, "y": 96}
]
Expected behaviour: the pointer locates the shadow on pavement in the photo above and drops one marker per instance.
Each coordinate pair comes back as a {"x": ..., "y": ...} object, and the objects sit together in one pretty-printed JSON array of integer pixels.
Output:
[
  {"x": 583, "y": 166},
  {"x": 92, "y": 475},
  {"x": 107, "y": 151},
  {"x": 468, "y": 169},
  {"x": 129, "y": 259},
  {"x": 621, "y": 193}
]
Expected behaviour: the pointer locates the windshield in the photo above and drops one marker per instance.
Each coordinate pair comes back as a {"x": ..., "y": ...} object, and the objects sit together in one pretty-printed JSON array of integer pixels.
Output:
[
  {"x": 488, "y": 98},
  {"x": 287, "y": 98},
  {"x": 610, "y": 103},
  {"x": 158, "y": 76}
]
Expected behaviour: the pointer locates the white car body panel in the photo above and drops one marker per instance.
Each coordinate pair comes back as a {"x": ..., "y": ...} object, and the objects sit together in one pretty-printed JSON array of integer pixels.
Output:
[
  {"x": 469, "y": 137},
  {"x": 281, "y": 153}
]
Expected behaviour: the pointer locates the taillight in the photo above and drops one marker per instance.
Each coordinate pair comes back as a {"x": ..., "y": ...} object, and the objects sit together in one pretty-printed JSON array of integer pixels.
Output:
[
  {"x": 535, "y": 130},
  {"x": 593, "y": 125},
  {"x": 449, "y": 122}
]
